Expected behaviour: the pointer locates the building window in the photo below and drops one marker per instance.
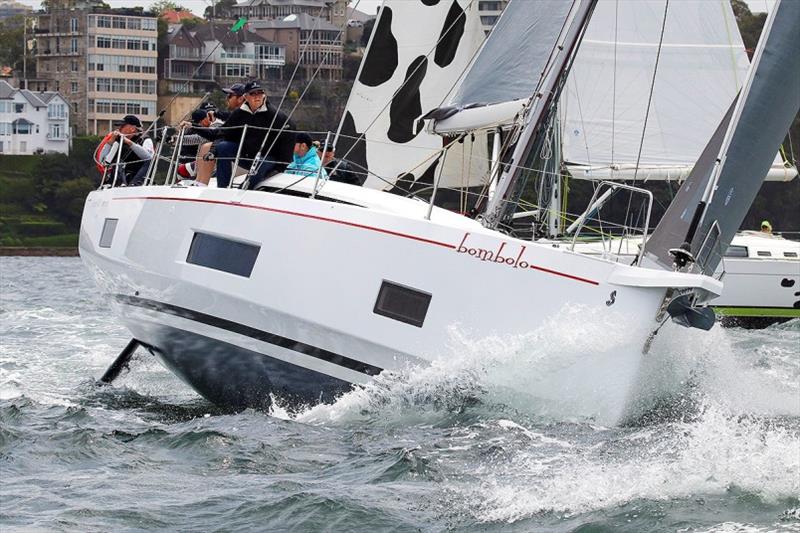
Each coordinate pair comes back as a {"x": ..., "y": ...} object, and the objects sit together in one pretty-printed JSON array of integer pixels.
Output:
[
  {"x": 104, "y": 21},
  {"x": 19, "y": 108},
  {"x": 56, "y": 131},
  {"x": 73, "y": 45},
  {"x": 22, "y": 127},
  {"x": 73, "y": 66},
  {"x": 73, "y": 25},
  {"x": 75, "y": 106},
  {"x": 73, "y": 86},
  {"x": 5, "y": 128},
  {"x": 489, "y": 6}
]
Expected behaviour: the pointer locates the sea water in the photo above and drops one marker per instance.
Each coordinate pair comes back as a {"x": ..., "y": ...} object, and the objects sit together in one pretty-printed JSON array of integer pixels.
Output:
[{"x": 429, "y": 449}]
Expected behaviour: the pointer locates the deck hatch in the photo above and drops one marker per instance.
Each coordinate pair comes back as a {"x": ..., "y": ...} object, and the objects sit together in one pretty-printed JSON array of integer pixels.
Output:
[
  {"x": 107, "y": 236},
  {"x": 223, "y": 254},
  {"x": 402, "y": 303}
]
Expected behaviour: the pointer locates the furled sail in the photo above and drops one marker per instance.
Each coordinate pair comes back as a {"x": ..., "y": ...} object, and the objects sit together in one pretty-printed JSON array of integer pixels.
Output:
[
  {"x": 769, "y": 101},
  {"x": 507, "y": 69},
  {"x": 701, "y": 68},
  {"x": 417, "y": 53}
]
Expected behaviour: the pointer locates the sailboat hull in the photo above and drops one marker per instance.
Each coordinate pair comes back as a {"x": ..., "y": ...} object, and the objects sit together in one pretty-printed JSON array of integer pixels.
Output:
[{"x": 338, "y": 292}]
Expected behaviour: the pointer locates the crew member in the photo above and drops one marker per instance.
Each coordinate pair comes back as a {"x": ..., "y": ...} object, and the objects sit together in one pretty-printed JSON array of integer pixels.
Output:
[
  {"x": 259, "y": 117},
  {"x": 305, "y": 161},
  {"x": 137, "y": 151},
  {"x": 340, "y": 169},
  {"x": 766, "y": 227}
]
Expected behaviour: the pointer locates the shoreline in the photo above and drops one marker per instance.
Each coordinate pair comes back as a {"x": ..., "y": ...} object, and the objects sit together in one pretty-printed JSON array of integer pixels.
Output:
[{"x": 38, "y": 251}]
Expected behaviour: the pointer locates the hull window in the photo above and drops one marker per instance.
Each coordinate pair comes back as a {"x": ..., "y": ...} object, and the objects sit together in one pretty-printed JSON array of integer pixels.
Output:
[
  {"x": 402, "y": 303},
  {"x": 736, "y": 251},
  {"x": 223, "y": 254},
  {"x": 109, "y": 227}
]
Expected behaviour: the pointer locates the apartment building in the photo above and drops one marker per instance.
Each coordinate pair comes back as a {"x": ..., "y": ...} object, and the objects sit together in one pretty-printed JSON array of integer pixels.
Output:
[
  {"x": 209, "y": 56},
  {"x": 313, "y": 42},
  {"x": 102, "y": 60},
  {"x": 32, "y": 122},
  {"x": 490, "y": 11}
]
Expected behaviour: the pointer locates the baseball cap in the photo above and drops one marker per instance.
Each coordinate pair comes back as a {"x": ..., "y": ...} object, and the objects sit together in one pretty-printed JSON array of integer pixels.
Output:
[
  {"x": 198, "y": 115},
  {"x": 236, "y": 88},
  {"x": 253, "y": 86},
  {"x": 129, "y": 119}
]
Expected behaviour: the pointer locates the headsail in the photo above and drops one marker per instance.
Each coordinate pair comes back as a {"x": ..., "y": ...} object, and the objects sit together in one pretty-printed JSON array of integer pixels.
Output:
[
  {"x": 769, "y": 101},
  {"x": 701, "y": 68},
  {"x": 417, "y": 53}
]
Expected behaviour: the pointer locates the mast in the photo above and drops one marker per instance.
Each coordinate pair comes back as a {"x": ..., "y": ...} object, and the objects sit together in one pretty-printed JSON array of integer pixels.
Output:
[{"x": 541, "y": 106}]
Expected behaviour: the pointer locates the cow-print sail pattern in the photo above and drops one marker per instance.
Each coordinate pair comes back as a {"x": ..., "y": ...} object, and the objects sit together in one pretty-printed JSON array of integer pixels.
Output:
[
  {"x": 450, "y": 36},
  {"x": 406, "y": 106},
  {"x": 430, "y": 2},
  {"x": 350, "y": 136},
  {"x": 381, "y": 62}
]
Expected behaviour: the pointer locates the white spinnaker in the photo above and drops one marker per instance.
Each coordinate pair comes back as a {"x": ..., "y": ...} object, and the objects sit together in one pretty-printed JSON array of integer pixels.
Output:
[
  {"x": 417, "y": 29},
  {"x": 701, "y": 68}
]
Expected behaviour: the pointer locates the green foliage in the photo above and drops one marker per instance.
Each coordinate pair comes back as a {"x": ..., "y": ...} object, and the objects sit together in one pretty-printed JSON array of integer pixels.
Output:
[
  {"x": 19, "y": 191},
  {"x": 166, "y": 5},
  {"x": 11, "y": 37},
  {"x": 70, "y": 197},
  {"x": 222, "y": 10}
]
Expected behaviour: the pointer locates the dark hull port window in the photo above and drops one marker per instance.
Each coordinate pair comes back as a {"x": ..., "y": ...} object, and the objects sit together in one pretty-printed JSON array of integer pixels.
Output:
[
  {"x": 109, "y": 227},
  {"x": 402, "y": 303},
  {"x": 223, "y": 254},
  {"x": 736, "y": 251}
]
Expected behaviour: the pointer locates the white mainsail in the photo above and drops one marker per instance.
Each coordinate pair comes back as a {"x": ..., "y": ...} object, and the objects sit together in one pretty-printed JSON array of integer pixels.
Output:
[
  {"x": 701, "y": 68},
  {"x": 417, "y": 53}
]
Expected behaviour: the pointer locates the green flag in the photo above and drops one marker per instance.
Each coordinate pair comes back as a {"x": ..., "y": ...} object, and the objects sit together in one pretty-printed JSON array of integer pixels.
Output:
[{"x": 239, "y": 25}]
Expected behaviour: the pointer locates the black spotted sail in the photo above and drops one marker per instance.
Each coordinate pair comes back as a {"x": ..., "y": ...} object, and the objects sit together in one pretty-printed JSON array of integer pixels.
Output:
[
  {"x": 417, "y": 52},
  {"x": 712, "y": 203}
]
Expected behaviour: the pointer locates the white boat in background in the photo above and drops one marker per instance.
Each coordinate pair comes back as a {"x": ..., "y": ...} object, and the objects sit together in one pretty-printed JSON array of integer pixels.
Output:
[
  {"x": 305, "y": 288},
  {"x": 760, "y": 273}
]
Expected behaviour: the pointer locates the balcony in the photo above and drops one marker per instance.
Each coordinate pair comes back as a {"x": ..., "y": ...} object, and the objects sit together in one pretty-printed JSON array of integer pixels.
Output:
[
  {"x": 185, "y": 73},
  {"x": 185, "y": 53},
  {"x": 57, "y": 53},
  {"x": 56, "y": 116}
]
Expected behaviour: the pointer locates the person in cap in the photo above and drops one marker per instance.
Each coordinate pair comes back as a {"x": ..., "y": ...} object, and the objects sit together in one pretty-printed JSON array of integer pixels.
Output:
[
  {"x": 766, "y": 227},
  {"x": 202, "y": 130},
  {"x": 137, "y": 151},
  {"x": 268, "y": 130},
  {"x": 234, "y": 96},
  {"x": 339, "y": 169},
  {"x": 305, "y": 160}
]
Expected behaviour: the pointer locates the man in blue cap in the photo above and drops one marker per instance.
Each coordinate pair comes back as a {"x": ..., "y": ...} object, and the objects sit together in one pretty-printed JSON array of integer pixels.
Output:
[
  {"x": 267, "y": 129},
  {"x": 234, "y": 96},
  {"x": 137, "y": 151}
]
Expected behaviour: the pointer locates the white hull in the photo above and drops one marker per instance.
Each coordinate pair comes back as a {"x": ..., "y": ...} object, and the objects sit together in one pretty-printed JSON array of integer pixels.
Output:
[{"x": 304, "y": 322}]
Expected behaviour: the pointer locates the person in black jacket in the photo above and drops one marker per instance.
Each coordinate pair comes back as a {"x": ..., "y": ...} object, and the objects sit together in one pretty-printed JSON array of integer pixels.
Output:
[
  {"x": 340, "y": 169},
  {"x": 259, "y": 116}
]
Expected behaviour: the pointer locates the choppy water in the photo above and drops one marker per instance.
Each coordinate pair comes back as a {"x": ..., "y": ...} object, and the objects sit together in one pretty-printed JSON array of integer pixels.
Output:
[{"x": 428, "y": 451}]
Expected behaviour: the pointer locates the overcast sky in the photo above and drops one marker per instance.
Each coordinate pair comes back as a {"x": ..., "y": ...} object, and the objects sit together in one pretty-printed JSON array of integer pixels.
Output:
[{"x": 367, "y": 6}]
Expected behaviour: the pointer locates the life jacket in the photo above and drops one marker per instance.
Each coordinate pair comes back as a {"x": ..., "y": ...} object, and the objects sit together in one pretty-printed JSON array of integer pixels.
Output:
[{"x": 99, "y": 152}]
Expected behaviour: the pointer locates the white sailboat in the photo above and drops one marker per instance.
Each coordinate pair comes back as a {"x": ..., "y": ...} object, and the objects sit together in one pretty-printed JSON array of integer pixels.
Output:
[{"x": 301, "y": 291}]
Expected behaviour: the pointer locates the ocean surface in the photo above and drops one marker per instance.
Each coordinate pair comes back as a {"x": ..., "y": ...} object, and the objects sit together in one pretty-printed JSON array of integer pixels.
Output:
[{"x": 427, "y": 451}]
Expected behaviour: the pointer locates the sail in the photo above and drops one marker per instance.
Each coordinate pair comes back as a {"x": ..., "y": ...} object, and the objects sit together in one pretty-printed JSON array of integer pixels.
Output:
[
  {"x": 770, "y": 100},
  {"x": 737, "y": 161},
  {"x": 701, "y": 67},
  {"x": 674, "y": 225},
  {"x": 417, "y": 53},
  {"x": 507, "y": 68}
]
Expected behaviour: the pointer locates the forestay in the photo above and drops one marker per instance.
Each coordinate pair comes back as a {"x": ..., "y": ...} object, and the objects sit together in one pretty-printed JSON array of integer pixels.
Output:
[
  {"x": 701, "y": 68},
  {"x": 417, "y": 52}
]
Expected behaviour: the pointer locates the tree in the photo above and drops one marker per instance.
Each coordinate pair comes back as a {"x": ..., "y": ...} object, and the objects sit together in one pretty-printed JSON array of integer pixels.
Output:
[
  {"x": 160, "y": 6},
  {"x": 11, "y": 37},
  {"x": 222, "y": 9},
  {"x": 368, "y": 26}
]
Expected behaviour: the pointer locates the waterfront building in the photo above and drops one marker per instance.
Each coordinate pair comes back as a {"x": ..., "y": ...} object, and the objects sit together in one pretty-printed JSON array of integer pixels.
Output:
[
  {"x": 102, "y": 60},
  {"x": 490, "y": 11},
  {"x": 33, "y": 122}
]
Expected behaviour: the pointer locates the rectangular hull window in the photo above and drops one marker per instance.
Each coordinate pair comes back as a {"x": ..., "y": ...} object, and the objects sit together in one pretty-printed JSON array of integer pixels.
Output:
[
  {"x": 109, "y": 227},
  {"x": 223, "y": 254},
  {"x": 402, "y": 303}
]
